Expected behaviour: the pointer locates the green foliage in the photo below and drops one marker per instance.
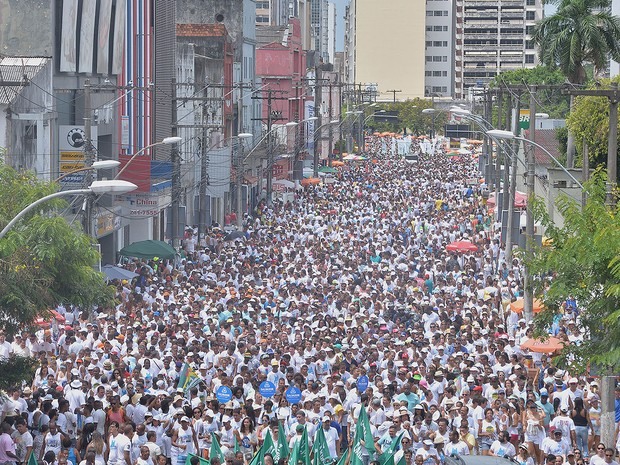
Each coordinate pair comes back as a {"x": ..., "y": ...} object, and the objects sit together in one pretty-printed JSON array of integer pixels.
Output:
[
  {"x": 410, "y": 116},
  {"x": 589, "y": 122},
  {"x": 580, "y": 32},
  {"x": 44, "y": 260},
  {"x": 552, "y": 101},
  {"x": 561, "y": 134},
  {"x": 16, "y": 369},
  {"x": 584, "y": 263}
]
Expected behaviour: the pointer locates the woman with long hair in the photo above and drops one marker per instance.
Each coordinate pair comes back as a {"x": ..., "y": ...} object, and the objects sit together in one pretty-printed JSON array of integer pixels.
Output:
[
  {"x": 532, "y": 420},
  {"x": 581, "y": 418},
  {"x": 247, "y": 438},
  {"x": 98, "y": 445}
]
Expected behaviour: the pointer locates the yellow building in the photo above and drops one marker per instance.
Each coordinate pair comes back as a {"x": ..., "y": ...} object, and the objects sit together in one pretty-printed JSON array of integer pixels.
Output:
[{"x": 385, "y": 44}]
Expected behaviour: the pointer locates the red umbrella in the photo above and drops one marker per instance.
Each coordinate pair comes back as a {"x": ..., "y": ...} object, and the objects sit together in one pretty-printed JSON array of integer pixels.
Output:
[
  {"x": 462, "y": 246},
  {"x": 548, "y": 346}
]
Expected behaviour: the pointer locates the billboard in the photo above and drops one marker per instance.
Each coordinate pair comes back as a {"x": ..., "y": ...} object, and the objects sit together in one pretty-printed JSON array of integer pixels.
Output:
[
  {"x": 87, "y": 36},
  {"x": 103, "y": 36},
  {"x": 119, "y": 37},
  {"x": 71, "y": 142},
  {"x": 68, "y": 42}
]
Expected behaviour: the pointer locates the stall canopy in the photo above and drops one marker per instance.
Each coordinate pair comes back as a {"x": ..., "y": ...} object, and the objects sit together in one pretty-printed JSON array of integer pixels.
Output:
[{"x": 148, "y": 249}]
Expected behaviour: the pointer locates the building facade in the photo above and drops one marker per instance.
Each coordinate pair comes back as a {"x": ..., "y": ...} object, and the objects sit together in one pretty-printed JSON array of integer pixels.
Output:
[
  {"x": 385, "y": 44},
  {"x": 439, "y": 45},
  {"x": 493, "y": 36}
]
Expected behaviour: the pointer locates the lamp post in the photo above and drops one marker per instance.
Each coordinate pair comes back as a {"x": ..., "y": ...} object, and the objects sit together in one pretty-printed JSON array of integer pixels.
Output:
[
  {"x": 239, "y": 176},
  {"x": 165, "y": 141},
  {"x": 97, "y": 187},
  {"x": 290, "y": 124},
  {"x": 529, "y": 228},
  {"x": 98, "y": 165}
]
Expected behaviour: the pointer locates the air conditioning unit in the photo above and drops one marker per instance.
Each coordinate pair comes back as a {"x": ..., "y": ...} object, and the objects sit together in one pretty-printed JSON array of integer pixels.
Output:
[{"x": 560, "y": 184}]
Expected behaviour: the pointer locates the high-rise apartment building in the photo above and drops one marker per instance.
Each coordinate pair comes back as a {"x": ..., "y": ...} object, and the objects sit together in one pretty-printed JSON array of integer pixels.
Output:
[
  {"x": 385, "y": 44},
  {"x": 493, "y": 36},
  {"x": 439, "y": 45}
]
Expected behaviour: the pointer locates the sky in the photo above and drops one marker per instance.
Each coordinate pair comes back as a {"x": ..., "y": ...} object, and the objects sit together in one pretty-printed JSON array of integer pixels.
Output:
[{"x": 340, "y": 5}]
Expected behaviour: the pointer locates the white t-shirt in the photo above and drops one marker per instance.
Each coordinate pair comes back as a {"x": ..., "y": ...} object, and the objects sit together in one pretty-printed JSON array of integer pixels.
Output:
[{"x": 118, "y": 446}]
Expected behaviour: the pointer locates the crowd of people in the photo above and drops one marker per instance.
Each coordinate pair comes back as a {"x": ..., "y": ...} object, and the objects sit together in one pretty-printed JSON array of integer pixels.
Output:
[{"x": 350, "y": 281}]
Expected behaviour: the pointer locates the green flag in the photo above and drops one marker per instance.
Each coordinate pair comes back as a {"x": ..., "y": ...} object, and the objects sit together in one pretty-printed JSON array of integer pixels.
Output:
[
  {"x": 362, "y": 439},
  {"x": 295, "y": 456},
  {"x": 304, "y": 447},
  {"x": 343, "y": 458},
  {"x": 258, "y": 458},
  {"x": 402, "y": 460},
  {"x": 237, "y": 448},
  {"x": 391, "y": 450},
  {"x": 216, "y": 450},
  {"x": 269, "y": 446},
  {"x": 188, "y": 461},
  {"x": 32, "y": 460},
  {"x": 321, "y": 449},
  {"x": 282, "y": 446}
]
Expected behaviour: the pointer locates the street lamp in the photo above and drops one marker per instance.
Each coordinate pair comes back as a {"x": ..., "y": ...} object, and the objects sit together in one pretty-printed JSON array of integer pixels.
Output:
[
  {"x": 97, "y": 187},
  {"x": 165, "y": 141},
  {"x": 239, "y": 175},
  {"x": 98, "y": 165},
  {"x": 529, "y": 225}
]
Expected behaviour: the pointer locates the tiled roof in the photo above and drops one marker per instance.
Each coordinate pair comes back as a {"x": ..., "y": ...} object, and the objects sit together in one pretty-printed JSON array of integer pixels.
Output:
[
  {"x": 266, "y": 35},
  {"x": 18, "y": 69},
  {"x": 548, "y": 139}
]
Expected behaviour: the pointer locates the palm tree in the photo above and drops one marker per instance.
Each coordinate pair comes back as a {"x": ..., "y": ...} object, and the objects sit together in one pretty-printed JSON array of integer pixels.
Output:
[{"x": 580, "y": 32}]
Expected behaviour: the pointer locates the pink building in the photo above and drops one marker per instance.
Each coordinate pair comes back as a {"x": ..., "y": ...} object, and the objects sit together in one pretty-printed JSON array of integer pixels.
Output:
[{"x": 281, "y": 64}]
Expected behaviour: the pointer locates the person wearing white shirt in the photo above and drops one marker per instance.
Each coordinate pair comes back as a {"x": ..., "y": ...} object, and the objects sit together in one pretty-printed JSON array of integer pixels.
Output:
[{"x": 456, "y": 446}]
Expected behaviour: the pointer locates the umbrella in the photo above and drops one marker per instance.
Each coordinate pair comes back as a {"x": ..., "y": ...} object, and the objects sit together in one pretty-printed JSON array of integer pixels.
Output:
[
  {"x": 149, "y": 249},
  {"x": 310, "y": 181},
  {"x": 233, "y": 235},
  {"x": 547, "y": 346},
  {"x": 462, "y": 246},
  {"x": 116, "y": 272},
  {"x": 517, "y": 306},
  {"x": 46, "y": 322},
  {"x": 327, "y": 169},
  {"x": 337, "y": 163},
  {"x": 520, "y": 200},
  {"x": 284, "y": 182}
]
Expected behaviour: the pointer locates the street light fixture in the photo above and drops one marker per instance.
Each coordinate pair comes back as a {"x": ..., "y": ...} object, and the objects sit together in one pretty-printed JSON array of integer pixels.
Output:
[
  {"x": 164, "y": 141},
  {"x": 98, "y": 165},
  {"x": 97, "y": 187}
]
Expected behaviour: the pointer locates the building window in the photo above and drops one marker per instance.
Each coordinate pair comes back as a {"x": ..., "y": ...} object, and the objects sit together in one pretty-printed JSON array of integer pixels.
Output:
[
  {"x": 530, "y": 2},
  {"x": 529, "y": 29},
  {"x": 429, "y": 28},
  {"x": 437, "y": 13},
  {"x": 530, "y": 15},
  {"x": 444, "y": 73},
  {"x": 262, "y": 19},
  {"x": 437, "y": 28},
  {"x": 445, "y": 29},
  {"x": 429, "y": 12},
  {"x": 437, "y": 59},
  {"x": 429, "y": 58},
  {"x": 262, "y": 5},
  {"x": 436, "y": 73},
  {"x": 445, "y": 58},
  {"x": 428, "y": 73},
  {"x": 429, "y": 43},
  {"x": 529, "y": 59},
  {"x": 445, "y": 13},
  {"x": 529, "y": 45}
]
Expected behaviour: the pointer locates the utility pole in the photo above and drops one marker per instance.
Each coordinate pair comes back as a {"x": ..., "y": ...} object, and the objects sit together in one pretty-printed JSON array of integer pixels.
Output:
[
  {"x": 613, "y": 95},
  {"x": 175, "y": 160},
  {"x": 239, "y": 182},
  {"x": 318, "y": 99},
  {"x": 528, "y": 297},
  {"x": 498, "y": 157},
  {"x": 330, "y": 154},
  {"x": 608, "y": 419},
  {"x": 512, "y": 182},
  {"x": 393, "y": 92},
  {"x": 585, "y": 172},
  {"x": 202, "y": 195},
  {"x": 87, "y": 220},
  {"x": 270, "y": 157},
  {"x": 505, "y": 197}
]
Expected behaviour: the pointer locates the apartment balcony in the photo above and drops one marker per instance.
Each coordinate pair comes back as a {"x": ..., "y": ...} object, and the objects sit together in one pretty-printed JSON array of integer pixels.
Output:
[{"x": 480, "y": 36}]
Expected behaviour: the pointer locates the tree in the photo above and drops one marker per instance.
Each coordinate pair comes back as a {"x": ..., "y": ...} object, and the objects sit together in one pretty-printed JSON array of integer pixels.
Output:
[
  {"x": 579, "y": 32},
  {"x": 44, "y": 260},
  {"x": 554, "y": 102},
  {"x": 582, "y": 262},
  {"x": 589, "y": 122}
]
